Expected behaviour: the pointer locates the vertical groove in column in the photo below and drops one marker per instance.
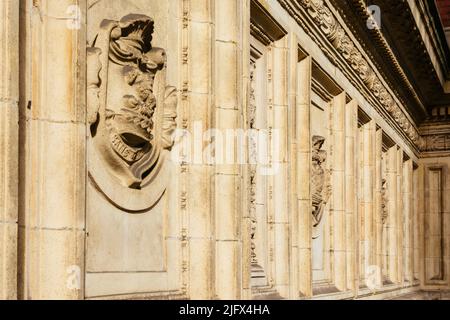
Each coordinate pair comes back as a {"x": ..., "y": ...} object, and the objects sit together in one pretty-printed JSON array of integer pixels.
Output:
[{"x": 9, "y": 92}]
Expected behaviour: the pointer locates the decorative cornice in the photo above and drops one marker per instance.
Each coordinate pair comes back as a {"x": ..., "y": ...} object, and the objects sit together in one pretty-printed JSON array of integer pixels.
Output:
[
  {"x": 263, "y": 26},
  {"x": 326, "y": 24},
  {"x": 413, "y": 31},
  {"x": 430, "y": 16},
  {"x": 323, "y": 85},
  {"x": 259, "y": 34},
  {"x": 381, "y": 54}
]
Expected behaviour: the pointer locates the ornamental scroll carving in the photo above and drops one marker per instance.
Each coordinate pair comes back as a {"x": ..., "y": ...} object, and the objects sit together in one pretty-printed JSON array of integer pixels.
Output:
[
  {"x": 320, "y": 180},
  {"x": 131, "y": 111}
]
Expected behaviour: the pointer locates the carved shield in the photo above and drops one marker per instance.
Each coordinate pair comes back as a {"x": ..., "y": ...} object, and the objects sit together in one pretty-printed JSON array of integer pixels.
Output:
[{"x": 131, "y": 111}]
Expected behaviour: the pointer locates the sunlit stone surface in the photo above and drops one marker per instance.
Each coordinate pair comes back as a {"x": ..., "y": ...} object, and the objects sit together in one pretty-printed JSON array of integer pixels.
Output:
[{"x": 224, "y": 149}]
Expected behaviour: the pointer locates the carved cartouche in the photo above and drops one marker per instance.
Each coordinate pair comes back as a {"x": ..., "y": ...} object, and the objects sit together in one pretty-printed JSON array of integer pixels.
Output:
[{"x": 130, "y": 109}]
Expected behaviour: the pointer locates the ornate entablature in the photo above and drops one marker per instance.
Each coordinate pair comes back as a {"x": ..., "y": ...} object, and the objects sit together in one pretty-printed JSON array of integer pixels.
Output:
[
  {"x": 318, "y": 20},
  {"x": 131, "y": 111}
]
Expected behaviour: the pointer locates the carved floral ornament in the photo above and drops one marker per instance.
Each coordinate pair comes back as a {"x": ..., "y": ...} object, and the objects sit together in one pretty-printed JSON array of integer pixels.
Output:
[
  {"x": 436, "y": 142},
  {"x": 131, "y": 111},
  {"x": 323, "y": 17}
]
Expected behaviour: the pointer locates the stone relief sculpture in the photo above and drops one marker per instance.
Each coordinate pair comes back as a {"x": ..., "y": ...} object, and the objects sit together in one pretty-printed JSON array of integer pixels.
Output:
[
  {"x": 384, "y": 201},
  {"x": 131, "y": 111},
  {"x": 320, "y": 180},
  {"x": 258, "y": 275},
  {"x": 252, "y": 166}
]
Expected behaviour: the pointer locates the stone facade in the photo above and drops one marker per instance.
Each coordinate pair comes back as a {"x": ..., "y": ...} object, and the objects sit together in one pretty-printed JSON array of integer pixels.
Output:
[{"x": 223, "y": 149}]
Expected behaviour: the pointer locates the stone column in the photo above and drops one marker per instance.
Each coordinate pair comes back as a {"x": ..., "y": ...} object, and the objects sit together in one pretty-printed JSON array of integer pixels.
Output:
[
  {"x": 53, "y": 177},
  {"x": 229, "y": 66},
  {"x": 351, "y": 130},
  {"x": 391, "y": 174},
  {"x": 304, "y": 210},
  {"x": 9, "y": 142},
  {"x": 337, "y": 209}
]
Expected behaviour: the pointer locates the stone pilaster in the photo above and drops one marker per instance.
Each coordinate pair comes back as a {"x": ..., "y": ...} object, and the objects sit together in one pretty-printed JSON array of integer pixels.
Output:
[
  {"x": 421, "y": 222},
  {"x": 198, "y": 37},
  {"x": 368, "y": 203},
  {"x": 392, "y": 220},
  {"x": 378, "y": 209},
  {"x": 303, "y": 176},
  {"x": 408, "y": 250},
  {"x": 247, "y": 223},
  {"x": 337, "y": 210},
  {"x": 416, "y": 224},
  {"x": 292, "y": 167},
  {"x": 351, "y": 130},
  {"x": 280, "y": 162},
  {"x": 54, "y": 175},
  {"x": 228, "y": 68},
  {"x": 400, "y": 215},
  {"x": 9, "y": 111}
]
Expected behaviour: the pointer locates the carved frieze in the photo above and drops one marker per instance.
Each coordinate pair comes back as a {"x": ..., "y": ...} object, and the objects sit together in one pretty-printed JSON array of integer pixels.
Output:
[
  {"x": 436, "y": 142},
  {"x": 131, "y": 111},
  {"x": 320, "y": 180}
]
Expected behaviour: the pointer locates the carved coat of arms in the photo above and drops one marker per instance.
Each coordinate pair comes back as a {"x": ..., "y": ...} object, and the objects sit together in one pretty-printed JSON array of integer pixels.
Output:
[{"x": 131, "y": 111}]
